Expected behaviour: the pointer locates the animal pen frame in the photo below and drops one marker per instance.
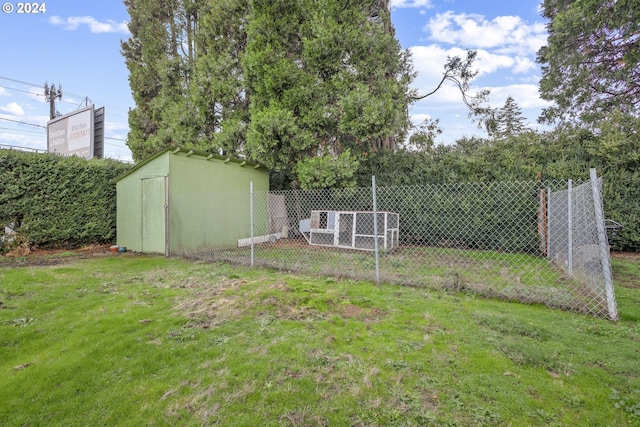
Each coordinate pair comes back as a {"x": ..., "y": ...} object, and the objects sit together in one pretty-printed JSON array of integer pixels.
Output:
[{"x": 540, "y": 242}]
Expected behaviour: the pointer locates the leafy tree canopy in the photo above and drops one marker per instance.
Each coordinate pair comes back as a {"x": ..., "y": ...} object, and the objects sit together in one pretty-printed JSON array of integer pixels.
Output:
[{"x": 590, "y": 63}]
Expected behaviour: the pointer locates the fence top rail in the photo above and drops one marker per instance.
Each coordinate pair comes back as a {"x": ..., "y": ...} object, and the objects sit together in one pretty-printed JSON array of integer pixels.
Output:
[
  {"x": 555, "y": 185},
  {"x": 352, "y": 211}
]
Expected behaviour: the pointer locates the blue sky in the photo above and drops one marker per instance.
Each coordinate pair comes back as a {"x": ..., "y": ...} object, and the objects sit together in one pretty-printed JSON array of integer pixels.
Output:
[{"x": 76, "y": 43}]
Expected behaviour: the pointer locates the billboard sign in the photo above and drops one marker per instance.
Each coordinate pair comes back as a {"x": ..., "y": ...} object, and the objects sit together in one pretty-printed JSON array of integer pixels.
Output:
[{"x": 72, "y": 134}]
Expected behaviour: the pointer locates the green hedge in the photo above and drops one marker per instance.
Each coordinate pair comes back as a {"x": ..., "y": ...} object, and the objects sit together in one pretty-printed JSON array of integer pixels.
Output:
[
  {"x": 487, "y": 216},
  {"x": 556, "y": 157},
  {"x": 52, "y": 201}
]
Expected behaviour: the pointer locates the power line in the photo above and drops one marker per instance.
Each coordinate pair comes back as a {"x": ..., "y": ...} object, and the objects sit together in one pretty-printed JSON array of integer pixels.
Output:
[
  {"x": 20, "y": 90},
  {"x": 114, "y": 145},
  {"x": 115, "y": 139},
  {"x": 66, "y": 93},
  {"x": 23, "y": 148},
  {"x": 48, "y": 97},
  {"x": 21, "y": 130},
  {"x": 23, "y": 123},
  {"x": 38, "y": 86},
  {"x": 43, "y": 150},
  {"x": 20, "y": 81}
]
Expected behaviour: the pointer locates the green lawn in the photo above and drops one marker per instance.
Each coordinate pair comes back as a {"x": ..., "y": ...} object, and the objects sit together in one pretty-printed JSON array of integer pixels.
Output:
[
  {"x": 137, "y": 340},
  {"x": 506, "y": 275}
]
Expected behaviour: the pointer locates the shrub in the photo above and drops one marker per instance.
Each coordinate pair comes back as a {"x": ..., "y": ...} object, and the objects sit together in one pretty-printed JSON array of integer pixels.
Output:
[{"x": 53, "y": 201}]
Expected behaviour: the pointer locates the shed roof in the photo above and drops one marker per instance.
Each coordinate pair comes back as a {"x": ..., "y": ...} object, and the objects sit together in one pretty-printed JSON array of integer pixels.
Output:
[{"x": 188, "y": 152}]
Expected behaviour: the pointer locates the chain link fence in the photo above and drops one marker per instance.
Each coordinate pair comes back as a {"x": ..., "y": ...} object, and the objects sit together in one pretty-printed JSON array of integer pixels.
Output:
[
  {"x": 578, "y": 244},
  {"x": 533, "y": 242}
]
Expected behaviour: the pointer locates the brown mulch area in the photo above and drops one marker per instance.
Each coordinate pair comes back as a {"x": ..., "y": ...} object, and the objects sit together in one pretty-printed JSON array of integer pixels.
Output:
[
  {"x": 27, "y": 256},
  {"x": 22, "y": 256},
  {"x": 626, "y": 255}
]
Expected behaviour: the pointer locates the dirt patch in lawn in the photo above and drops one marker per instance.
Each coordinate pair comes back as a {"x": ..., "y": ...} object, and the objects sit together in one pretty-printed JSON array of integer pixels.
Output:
[
  {"x": 22, "y": 256},
  {"x": 626, "y": 255},
  {"x": 626, "y": 271}
]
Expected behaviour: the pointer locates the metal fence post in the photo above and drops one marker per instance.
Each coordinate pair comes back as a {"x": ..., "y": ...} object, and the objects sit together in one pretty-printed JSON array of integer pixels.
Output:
[
  {"x": 251, "y": 220},
  {"x": 375, "y": 227},
  {"x": 604, "y": 246},
  {"x": 167, "y": 219},
  {"x": 570, "y": 228},
  {"x": 549, "y": 212}
]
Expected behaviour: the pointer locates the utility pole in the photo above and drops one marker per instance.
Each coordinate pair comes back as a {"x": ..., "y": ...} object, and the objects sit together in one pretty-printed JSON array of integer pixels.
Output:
[{"x": 50, "y": 96}]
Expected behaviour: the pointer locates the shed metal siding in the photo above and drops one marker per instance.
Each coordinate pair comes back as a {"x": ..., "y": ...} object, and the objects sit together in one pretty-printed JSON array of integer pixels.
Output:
[{"x": 208, "y": 202}]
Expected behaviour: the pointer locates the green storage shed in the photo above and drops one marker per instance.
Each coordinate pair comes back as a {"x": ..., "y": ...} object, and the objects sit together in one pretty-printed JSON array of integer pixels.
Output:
[{"x": 182, "y": 201}]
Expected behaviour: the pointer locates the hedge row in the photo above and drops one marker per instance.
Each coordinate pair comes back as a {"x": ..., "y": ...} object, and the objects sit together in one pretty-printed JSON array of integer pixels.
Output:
[
  {"x": 52, "y": 201},
  {"x": 522, "y": 160}
]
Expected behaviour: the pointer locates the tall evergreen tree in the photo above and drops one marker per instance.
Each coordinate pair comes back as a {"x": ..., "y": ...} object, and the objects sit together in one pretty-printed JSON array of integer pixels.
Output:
[
  {"x": 160, "y": 56},
  {"x": 590, "y": 63},
  {"x": 219, "y": 91},
  {"x": 335, "y": 67},
  {"x": 325, "y": 76},
  {"x": 306, "y": 87},
  {"x": 508, "y": 121}
]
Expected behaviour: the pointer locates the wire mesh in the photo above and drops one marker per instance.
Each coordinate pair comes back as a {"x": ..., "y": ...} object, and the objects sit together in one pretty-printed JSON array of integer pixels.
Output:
[
  {"x": 533, "y": 242},
  {"x": 576, "y": 248}
]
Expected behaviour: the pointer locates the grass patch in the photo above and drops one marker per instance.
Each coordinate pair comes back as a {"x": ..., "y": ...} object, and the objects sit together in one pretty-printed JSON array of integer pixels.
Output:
[
  {"x": 626, "y": 276},
  {"x": 510, "y": 276},
  {"x": 141, "y": 340}
]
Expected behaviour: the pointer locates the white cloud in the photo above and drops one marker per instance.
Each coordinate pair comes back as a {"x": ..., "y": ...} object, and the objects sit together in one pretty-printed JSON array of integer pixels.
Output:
[
  {"x": 116, "y": 127},
  {"x": 505, "y": 43},
  {"x": 4, "y": 92},
  {"x": 488, "y": 62},
  {"x": 525, "y": 95},
  {"x": 506, "y": 47},
  {"x": 509, "y": 33},
  {"x": 25, "y": 138},
  {"x": 524, "y": 65},
  {"x": 13, "y": 109},
  {"x": 95, "y": 26},
  {"x": 429, "y": 61},
  {"x": 410, "y": 3},
  {"x": 418, "y": 118}
]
